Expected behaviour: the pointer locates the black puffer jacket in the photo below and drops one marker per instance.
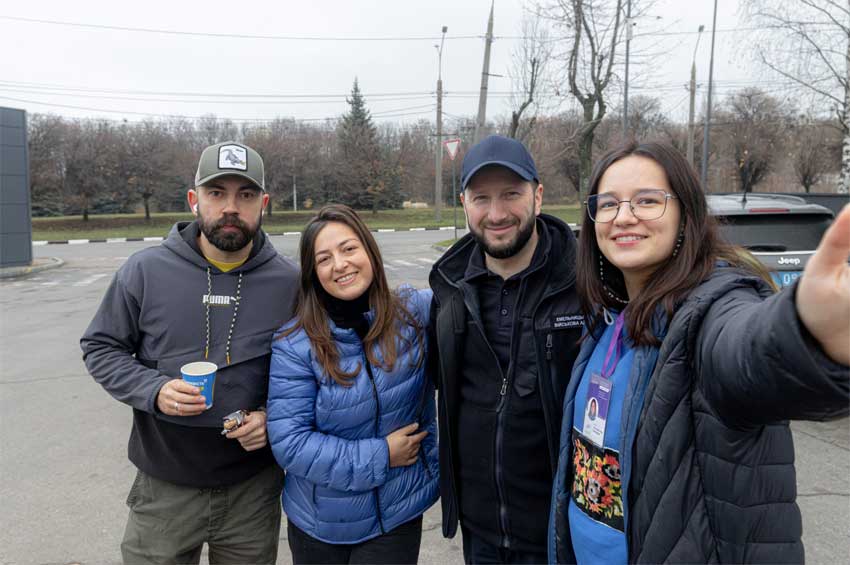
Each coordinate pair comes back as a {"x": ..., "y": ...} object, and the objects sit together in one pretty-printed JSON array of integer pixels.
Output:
[{"x": 711, "y": 460}]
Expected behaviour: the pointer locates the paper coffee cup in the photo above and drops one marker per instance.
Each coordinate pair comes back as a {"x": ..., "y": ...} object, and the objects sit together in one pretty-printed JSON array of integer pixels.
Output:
[{"x": 202, "y": 375}]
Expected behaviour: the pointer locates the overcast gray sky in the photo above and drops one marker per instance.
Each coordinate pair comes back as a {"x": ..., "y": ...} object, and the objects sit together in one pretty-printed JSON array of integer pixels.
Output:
[{"x": 313, "y": 51}]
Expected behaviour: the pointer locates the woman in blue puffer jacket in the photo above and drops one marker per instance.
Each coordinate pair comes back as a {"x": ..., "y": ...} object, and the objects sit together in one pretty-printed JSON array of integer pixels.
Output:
[{"x": 351, "y": 413}]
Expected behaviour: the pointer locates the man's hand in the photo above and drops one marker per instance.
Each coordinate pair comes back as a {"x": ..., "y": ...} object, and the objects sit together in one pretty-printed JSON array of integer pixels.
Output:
[
  {"x": 179, "y": 398},
  {"x": 404, "y": 445},
  {"x": 823, "y": 296},
  {"x": 252, "y": 433}
]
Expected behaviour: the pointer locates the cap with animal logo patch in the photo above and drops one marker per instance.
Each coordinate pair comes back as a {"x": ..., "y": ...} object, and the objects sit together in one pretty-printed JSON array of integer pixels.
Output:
[{"x": 230, "y": 158}]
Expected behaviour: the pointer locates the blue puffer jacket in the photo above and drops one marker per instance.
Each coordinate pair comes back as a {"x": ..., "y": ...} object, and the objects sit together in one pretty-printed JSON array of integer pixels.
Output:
[{"x": 330, "y": 439}]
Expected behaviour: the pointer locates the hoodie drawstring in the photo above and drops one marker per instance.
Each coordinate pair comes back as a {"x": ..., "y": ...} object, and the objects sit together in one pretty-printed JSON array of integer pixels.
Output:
[{"x": 232, "y": 320}]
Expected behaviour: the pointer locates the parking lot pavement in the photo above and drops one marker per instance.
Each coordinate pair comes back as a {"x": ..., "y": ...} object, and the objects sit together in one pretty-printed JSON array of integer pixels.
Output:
[{"x": 64, "y": 474}]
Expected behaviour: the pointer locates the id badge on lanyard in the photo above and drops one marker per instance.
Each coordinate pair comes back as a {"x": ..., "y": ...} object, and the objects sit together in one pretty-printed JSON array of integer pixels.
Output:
[{"x": 599, "y": 392}]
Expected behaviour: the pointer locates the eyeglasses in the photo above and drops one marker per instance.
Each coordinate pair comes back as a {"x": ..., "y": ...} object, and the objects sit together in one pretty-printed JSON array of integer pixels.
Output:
[{"x": 648, "y": 204}]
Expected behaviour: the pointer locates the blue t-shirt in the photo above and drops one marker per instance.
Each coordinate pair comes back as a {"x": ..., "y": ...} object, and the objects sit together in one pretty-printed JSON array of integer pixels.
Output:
[{"x": 597, "y": 499}]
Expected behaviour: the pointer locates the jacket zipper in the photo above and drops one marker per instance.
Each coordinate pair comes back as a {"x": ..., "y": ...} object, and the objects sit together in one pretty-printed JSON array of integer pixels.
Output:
[
  {"x": 377, "y": 434},
  {"x": 503, "y": 511},
  {"x": 424, "y": 463},
  {"x": 547, "y": 416}
]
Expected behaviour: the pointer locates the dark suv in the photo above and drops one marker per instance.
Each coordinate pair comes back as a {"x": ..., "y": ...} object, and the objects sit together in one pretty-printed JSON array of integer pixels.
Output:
[{"x": 781, "y": 231}]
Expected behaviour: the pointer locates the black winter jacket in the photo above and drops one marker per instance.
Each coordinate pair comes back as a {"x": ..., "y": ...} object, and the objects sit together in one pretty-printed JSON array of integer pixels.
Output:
[
  {"x": 552, "y": 317},
  {"x": 711, "y": 476}
]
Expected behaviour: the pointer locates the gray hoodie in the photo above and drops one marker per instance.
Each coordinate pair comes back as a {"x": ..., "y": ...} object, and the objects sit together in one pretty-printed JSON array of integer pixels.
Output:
[{"x": 153, "y": 320}]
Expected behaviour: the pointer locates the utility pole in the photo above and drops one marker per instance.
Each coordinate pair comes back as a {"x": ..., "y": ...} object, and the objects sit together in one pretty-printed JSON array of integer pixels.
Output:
[
  {"x": 294, "y": 189},
  {"x": 626, "y": 86},
  {"x": 844, "y": 179},
  {"x": 693, "y": 92},
  {"x": 438, "y": 175},
  {"x": 481, "y": 121},
  {"x": 704, "y": 172}
]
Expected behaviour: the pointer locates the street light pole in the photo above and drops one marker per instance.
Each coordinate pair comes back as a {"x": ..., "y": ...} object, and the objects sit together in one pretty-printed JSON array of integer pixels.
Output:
[
  {"x": 704, "y": 172},
  {"x": 438, "y": 175},
  {"x": 693, "y": 92},
  {"x": 626, "y": 85}
]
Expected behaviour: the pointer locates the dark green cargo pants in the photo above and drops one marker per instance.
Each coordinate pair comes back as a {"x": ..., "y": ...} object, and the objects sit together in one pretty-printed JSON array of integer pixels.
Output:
[{"x": 170, "y": 523}]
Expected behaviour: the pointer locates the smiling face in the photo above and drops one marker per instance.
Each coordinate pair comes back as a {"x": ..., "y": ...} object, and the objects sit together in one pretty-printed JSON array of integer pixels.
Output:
[
  {"x": 501, "y": 209},
  {"x": 637, "y": 247},
  {"x": 343, "y": 267}
]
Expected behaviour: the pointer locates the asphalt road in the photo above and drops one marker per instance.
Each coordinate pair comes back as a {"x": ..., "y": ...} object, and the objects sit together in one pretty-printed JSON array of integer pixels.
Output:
[{"x": 64, "y": 474}]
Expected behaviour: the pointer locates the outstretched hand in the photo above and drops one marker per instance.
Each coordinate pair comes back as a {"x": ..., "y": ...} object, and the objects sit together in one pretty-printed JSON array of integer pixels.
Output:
[{"x": 823, "y": 295}]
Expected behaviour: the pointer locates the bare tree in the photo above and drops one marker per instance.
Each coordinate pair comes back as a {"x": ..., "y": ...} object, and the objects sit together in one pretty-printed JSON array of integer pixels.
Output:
[
  {"x": 646, "y": 120},
  {"x": 753, "y": 129},
  {"x": 528, "y": 73},
  {"x": 593, "y": 31},
  {"x": 46, "y": 137},
  {"x": 809, "y": 152},
  {"x": 89, "y": 165},
  {"x": 808, "y": 43},
  {"x": 148, "y": 161}
]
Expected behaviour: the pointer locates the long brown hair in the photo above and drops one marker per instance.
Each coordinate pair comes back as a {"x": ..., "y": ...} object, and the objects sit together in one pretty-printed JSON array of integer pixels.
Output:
[
  {"x": 391, "y": 315},
  {"x": 701, "y": 247}
]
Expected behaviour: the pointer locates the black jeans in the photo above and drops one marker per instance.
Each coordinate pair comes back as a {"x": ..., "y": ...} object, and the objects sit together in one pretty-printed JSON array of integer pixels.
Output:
[
  {"x": 476, "y": 551},
  {"x": 398, "y": 546}
]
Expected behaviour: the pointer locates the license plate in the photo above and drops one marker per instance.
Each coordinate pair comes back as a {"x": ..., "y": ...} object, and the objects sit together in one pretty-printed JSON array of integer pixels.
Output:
[{"x": 785, "y": 278}]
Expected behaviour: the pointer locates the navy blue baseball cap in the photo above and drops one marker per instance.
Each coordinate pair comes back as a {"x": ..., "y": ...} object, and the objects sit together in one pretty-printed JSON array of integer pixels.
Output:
[{"x": 498, "y": 150}]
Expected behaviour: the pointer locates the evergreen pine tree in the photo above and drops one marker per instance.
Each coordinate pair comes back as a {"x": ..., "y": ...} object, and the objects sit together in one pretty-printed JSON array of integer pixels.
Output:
[{"x": 360, "y": 169}]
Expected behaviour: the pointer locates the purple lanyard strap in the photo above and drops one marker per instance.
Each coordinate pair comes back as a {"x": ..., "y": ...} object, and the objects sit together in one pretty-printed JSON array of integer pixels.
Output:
[{"x": 614, "y": 348}]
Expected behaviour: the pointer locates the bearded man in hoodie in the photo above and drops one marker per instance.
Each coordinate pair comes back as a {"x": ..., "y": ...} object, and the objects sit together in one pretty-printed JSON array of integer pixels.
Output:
[{"x": 215, "y": 290}]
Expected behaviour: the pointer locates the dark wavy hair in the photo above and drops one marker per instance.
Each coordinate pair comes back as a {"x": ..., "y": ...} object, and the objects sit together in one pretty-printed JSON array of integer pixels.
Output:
[
  {"x": 390, "y": 312},
  {"x": 668, "y": 286}
]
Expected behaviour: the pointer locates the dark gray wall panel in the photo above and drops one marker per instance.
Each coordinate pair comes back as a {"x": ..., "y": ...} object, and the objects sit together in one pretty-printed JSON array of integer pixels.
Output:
[
  {"x": 13, "y": 160},
  {"x": 14, "y": 219},
  {"x": 15, "y": 249},
  {"x": 15, "y": 223},
  {"x": 12, "y": 118},
  {"x": 14, "y": 190}
]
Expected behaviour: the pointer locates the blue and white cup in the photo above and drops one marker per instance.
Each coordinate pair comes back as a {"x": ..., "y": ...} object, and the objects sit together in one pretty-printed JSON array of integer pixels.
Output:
[{"x": 202, "y": 375}]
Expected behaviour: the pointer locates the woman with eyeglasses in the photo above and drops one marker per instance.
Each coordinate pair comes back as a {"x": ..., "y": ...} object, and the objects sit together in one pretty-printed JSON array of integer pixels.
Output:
[
  {"x": 351, "y": 414},
  {"x": 693, "y": 365}
]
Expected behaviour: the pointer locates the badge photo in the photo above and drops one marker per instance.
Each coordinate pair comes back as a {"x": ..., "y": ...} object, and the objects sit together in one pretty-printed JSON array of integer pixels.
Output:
[{"x": 232, "y": 157}]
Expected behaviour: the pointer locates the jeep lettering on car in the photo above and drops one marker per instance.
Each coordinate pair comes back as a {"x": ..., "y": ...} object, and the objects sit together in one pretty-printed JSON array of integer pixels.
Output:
[{"x": 781, "y": 231}]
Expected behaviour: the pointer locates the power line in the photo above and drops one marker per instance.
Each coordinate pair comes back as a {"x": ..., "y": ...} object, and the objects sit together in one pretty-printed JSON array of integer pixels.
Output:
[
  {"x": 729, "y": 29},
  {"x": 329, "y": 97},
  {"x": 185, "y": 117},
  {"x": 287, "y": 100},
  {"x": 203, "y": 94},
  {"x": 241, "y": 35}
]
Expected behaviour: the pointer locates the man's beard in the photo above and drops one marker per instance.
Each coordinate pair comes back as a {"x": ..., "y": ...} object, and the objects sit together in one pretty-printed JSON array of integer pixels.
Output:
[
  {"x": 510, "y": 248},
  {"x": 229, "y": 241}
]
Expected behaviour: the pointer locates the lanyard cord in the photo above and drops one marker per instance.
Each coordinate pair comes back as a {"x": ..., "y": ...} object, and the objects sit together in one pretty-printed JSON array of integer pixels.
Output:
[
  {"x": 232, "y": 320},
  {"x": 614, "y": 348}
]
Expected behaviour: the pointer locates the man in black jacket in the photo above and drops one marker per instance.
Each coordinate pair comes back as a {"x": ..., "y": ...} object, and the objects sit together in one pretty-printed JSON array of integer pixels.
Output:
[{"x": 505, "y": 328}]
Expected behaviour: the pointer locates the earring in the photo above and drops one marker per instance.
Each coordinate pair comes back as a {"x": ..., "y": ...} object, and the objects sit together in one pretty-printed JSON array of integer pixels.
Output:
[
  {"x": 608, "y": 291},
  {"x": 679, "y": 242}
]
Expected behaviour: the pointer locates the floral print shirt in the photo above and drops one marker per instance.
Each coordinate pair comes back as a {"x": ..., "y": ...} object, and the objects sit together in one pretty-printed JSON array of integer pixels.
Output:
[{"x": 598, "y": 499}]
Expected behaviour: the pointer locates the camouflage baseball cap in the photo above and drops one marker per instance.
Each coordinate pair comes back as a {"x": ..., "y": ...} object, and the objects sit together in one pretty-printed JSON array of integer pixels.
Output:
[{"x": 230, "y": 158}]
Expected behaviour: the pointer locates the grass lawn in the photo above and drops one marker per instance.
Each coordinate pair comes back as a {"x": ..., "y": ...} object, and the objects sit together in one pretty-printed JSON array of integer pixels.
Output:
[{"x": 134, "y": 225}]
